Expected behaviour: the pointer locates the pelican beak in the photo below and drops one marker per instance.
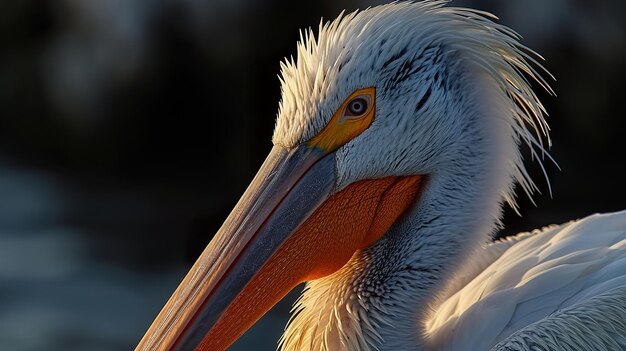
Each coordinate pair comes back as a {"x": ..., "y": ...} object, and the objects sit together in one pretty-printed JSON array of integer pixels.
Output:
[{"x": 287, "y": 228}]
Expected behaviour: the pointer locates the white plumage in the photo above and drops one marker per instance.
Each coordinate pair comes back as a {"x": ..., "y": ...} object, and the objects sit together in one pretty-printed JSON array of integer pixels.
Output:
[
  {"x": 568, "y": 279},
  {"x": 453, "y": 102}
]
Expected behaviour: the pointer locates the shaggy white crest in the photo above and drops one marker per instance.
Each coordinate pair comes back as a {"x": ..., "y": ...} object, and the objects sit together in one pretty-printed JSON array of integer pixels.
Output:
[
  {"x": 369, "y": 48},
  {"x": 453, "y": 102}
]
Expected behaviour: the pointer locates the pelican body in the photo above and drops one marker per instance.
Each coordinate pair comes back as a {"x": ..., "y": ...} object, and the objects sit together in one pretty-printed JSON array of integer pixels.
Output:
[{"x": 396, "y": 145}]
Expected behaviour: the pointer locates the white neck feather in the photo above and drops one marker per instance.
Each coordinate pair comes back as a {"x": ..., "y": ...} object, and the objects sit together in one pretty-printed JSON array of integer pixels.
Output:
[{"x": 380, "y": 299}]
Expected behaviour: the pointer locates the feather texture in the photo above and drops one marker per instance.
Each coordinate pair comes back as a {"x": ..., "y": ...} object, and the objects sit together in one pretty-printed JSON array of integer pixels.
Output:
[
  {"x": 596, "y": 324},
  {"x": 551, "y": 278}
]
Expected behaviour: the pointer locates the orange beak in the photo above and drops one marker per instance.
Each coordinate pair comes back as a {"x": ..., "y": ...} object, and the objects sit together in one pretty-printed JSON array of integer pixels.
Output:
[{"x": 290, "y": 226}]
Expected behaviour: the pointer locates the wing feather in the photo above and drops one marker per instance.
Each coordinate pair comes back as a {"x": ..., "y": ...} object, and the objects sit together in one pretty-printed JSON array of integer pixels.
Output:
[
  {"x": 595, "y": 324},
  {"x": 568, "y": 268}
]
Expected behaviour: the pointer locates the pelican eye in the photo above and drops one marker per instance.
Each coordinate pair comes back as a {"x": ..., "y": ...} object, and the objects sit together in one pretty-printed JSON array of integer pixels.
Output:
[
  {"x": 353, "y": 117},
  {"x": 357, "y": 107}
]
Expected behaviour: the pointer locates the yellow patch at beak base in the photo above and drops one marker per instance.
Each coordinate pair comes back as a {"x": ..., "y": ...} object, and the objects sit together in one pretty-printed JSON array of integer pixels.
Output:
[{"x": 345, "y": 125}]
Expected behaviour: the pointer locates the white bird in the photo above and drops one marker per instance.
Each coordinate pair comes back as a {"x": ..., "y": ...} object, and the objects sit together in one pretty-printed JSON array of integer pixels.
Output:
[{"x": 396, "y": 145}]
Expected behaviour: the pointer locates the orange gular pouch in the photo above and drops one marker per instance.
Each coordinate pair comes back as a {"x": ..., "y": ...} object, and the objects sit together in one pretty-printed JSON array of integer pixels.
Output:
[
  {"x": 288, "y": 227},
  {"x": 349, "y": 220}
]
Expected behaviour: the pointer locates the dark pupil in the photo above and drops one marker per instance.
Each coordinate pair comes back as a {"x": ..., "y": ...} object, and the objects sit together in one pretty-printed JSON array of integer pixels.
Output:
[{"x": 357, "y": 106}]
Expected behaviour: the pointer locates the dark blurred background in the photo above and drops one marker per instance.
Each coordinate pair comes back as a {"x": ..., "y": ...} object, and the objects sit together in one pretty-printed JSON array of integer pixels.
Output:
[{"x": 128, "y": 129}]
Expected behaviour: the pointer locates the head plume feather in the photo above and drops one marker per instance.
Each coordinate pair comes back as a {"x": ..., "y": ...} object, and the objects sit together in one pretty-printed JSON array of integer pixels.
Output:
[{"x": 493, "y": 47}]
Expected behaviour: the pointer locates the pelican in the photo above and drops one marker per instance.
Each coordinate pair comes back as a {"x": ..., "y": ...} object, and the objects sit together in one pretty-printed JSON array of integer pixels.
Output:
[{"x": 396, "y": 145}]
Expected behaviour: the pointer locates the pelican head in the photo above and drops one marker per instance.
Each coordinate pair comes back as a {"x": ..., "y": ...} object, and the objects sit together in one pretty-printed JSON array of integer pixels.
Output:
[{"x": 395, "y": 145}]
